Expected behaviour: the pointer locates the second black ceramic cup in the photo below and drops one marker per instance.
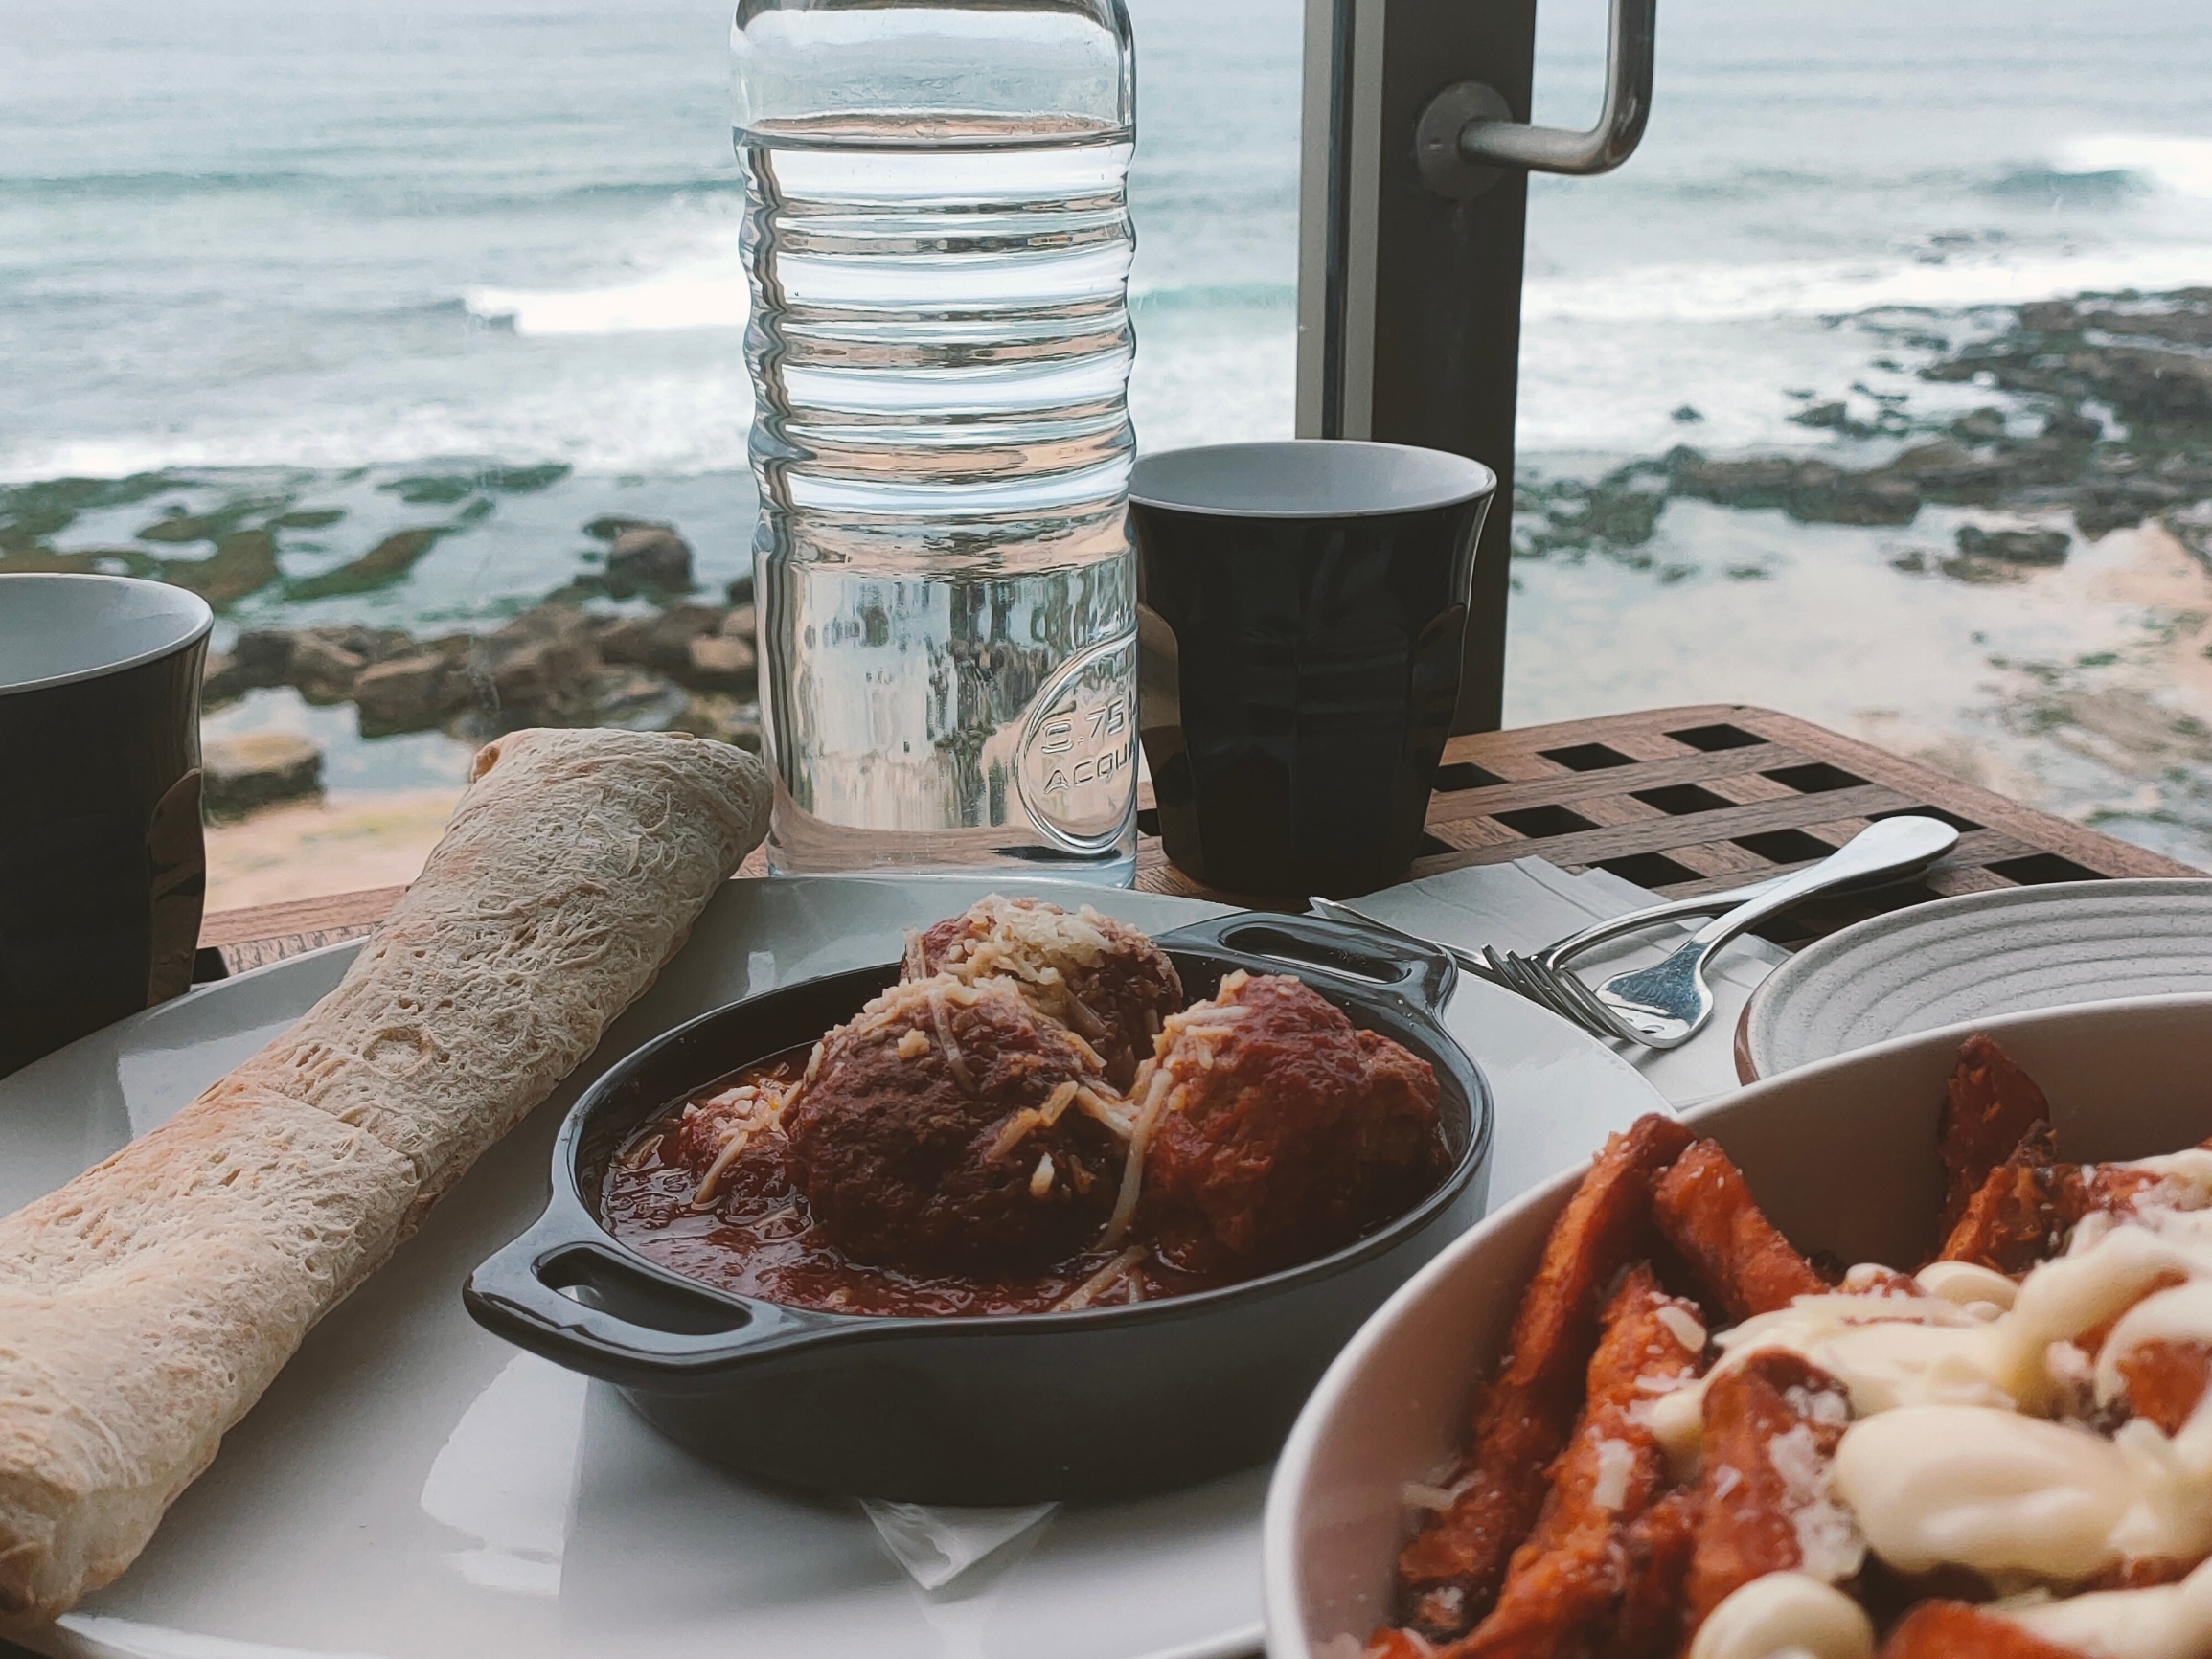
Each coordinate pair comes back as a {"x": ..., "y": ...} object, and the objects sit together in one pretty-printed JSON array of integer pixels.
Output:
[
  {"x": 103, "y": 868},
  {"x": 1301, "y": 609}
]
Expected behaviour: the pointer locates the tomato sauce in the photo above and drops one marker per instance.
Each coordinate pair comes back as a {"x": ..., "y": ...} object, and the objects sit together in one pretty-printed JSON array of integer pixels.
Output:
[{"x": 755, "y": 1237}]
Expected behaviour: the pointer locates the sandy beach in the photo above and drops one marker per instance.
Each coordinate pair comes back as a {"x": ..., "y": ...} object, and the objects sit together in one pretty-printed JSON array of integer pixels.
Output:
[{"x": 338, "y": 845}]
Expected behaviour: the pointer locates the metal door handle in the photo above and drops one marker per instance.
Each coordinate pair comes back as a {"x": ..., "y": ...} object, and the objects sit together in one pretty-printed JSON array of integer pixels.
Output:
[{"x": 1467, "y": 135}]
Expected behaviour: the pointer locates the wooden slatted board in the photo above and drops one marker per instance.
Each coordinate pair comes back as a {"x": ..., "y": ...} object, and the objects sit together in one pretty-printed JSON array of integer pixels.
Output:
[
  {"x": 1680, "y": 801},
  {"x": 1692, "y": 800}
]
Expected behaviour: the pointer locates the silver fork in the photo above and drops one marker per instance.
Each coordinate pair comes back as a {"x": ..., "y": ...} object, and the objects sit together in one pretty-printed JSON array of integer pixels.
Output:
[
  {"x": 1543, "y": 978},
  {"x": 1666, "y": 1004},
  {"x": 1490, "y": 965}
]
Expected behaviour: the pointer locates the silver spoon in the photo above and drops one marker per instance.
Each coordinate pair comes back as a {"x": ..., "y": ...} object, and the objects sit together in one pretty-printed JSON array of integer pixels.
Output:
[{"x": 1666, "y": 1004}]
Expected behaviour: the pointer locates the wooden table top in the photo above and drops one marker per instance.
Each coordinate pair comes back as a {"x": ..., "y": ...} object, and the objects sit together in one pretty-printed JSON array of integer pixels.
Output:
[{"x": 1680, "y": 801}]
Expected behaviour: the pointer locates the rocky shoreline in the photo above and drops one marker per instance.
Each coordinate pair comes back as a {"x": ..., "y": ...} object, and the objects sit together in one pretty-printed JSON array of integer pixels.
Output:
[
  {"x": 2098, "y": 416},
  {"x": 627, "y": 640},
  {"x": 682, "y": 666},
  {"x": 2111, "y": 423},
  {"x": 686, "y": 668}
]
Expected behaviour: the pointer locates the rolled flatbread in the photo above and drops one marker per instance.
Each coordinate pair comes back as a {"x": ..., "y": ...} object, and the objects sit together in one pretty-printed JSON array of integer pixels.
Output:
[{"x": 146, "y": 1305}]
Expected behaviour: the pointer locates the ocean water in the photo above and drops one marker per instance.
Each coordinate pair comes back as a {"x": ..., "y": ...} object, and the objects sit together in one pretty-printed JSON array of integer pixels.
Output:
[
  {"x": 327, "y": 235},
  {"x": 315, "y": 251}
]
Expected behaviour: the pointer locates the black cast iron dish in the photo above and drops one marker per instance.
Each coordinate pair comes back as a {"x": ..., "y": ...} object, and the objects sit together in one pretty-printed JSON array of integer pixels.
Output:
[{"x": 994, "y": 1410}]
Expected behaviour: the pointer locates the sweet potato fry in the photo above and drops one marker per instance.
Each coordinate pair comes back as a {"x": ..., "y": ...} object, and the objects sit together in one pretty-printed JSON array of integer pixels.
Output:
[
  {"x": 1955, "y": 1630},
  {"x": 1993, "y": 1108},
  {"x": 2020, "y": 1212},
  {"x": 1615, "y": 1594},
  {"x": 1705, "y": 1210},
  {"x": 1448, "y": 1576},
  {"x": 1613, "y": 1467},
  {"x": 2164, "y": 1380},
  {"x": 1771, "y": 1427},
  {"x": 1658, "y": 1544},
  {"x": 1391, "y": 1643},
  {"x": 1569, "y": 1585},
  {"x": 1560, "y": 1608},
  {"x": 2023, "y": 1211}
]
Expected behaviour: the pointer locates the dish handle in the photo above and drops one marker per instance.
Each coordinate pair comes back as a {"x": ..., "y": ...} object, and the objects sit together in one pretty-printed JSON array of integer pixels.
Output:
[
  {"x": 574, "y": 1301},
  {"x": 1355, "y": 960}
]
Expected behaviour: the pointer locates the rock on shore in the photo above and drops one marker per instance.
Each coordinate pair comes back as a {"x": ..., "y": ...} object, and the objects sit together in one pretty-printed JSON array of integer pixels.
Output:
[
  {"x": 2110, "y": 424},
  {"x": 691, "y": 667},
  {"x": 254, "y": 769}
]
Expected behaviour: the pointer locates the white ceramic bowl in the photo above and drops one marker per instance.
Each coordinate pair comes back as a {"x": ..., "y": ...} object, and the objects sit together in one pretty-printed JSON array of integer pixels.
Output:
[
  {"x": 1975, "y": 957},
  {"x": 1840, "y": 1154}
]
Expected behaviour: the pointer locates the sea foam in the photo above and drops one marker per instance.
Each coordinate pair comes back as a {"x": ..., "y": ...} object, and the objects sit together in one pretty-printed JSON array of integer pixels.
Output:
[
  {"x": 2182, "y": 166},
  {"x": 1842, "y": 287},
  {"x": 705, "y": 293}
]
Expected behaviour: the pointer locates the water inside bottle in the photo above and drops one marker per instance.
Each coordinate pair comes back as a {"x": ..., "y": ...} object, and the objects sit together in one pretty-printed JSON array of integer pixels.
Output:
[{"x": 941, "y": 346}]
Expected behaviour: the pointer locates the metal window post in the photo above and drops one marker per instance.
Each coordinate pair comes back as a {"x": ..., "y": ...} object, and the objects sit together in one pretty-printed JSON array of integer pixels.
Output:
[{"x": 1412, "y": 216}]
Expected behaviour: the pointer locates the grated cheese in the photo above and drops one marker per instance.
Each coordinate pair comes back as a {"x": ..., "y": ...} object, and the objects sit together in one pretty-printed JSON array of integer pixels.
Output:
[
  {"x": 1039, "y": 946},
  {"x": 765, "y": 1106},
  {"x": 1009, "y": 1137},
  {"x": 1087, "y": 1292},
  {"x": 956, "y": 1061},
  {"x": 1158, "y": 1087},
  {"x": 1133, "y": 1164},
  {"x": 1616, "y": 1462},
  {"x": 1828, "y": 1544},
  {"x": 1056, "y": 1103},
  {"x": 1684, "y": 1326},
  {"x": 1117, "y": 1117}
]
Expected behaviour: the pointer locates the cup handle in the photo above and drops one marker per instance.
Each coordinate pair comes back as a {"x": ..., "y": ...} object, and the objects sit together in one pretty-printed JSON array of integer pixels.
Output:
[{"x": 176, "y": 892}]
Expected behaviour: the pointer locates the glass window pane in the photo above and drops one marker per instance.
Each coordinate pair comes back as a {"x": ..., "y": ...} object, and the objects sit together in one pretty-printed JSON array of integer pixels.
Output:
[{"x": 1813, "y": 412}]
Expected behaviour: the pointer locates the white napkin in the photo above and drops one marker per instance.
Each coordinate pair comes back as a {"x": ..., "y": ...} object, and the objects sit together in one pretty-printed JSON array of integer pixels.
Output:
[
  {"x": 937, "y": 1544},
  {"x": 1529, "y": 903}
]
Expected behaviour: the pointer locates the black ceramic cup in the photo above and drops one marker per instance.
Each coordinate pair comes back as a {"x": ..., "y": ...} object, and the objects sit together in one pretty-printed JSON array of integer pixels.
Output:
[
  {"x": 101, "y": 865},
  {"x": 1300, "y": 612}
]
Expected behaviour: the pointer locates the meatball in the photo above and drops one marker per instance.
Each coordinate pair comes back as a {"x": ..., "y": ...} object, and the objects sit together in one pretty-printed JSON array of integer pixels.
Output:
[
  {"x": 1275, "y": 1131},
  {"x": 953, "y": 1127},
  {"x": 713, "y": 1134},
  {"x": 1101, "y": 978}
]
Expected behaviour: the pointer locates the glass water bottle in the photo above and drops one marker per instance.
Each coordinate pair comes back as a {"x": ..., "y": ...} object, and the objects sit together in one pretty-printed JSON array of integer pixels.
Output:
[{"x": 938, "y": 238}]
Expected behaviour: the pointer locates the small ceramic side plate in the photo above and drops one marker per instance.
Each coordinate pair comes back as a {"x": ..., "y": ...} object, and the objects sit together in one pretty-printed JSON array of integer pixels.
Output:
[{"x": 1974, "y": 956}]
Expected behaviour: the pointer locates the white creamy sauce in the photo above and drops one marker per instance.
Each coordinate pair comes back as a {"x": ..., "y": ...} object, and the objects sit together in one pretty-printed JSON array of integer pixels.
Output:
[
  {"x": 1887, "y": 1351},
  {"x": 1967, "y": 1284},
  {"x": 1683, "y": 1326},
  {"x": 1786, "y": 1614},
  {"x": 1989, "y": 1488},
  {"x": 1952, "y": 1456},
  {"x": 2171, "y": 1622}
]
